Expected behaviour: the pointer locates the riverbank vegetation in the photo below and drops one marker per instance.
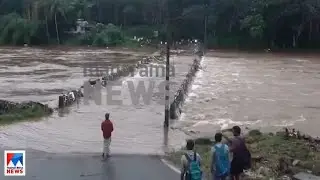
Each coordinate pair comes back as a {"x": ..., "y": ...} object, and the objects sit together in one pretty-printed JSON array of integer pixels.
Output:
[
  {"x": 230, "y": 24},
  {"x": 273, "y": 155},
  {"x": 12, "y": 112}
]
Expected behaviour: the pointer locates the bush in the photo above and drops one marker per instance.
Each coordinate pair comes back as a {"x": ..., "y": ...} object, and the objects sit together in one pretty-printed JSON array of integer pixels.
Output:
[
  {"x": 142, "y": 31},
  {"x": 19, "y": 114},
  {"x": 106, "y": 35},
  {"x": 255, "y": 132},
  {"x": 102, "y": 35},
  {"x": 203, "y": 141},
  {"x": 17, "y": 30},
  {"x": 128, "y": 42}
]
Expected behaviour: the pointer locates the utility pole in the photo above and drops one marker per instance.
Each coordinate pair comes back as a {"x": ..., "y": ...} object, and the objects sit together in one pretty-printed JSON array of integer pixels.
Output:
[
  {"x": 205, "y": 27},
  {"x": 167, "y": 89},
  {"x": 205, "y": 33}
]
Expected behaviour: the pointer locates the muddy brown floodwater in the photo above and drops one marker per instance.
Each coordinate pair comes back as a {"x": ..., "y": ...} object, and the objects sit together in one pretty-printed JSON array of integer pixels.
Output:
[
  {"x": 265, "y": 90},
  {"x": 42, "y": 74}
]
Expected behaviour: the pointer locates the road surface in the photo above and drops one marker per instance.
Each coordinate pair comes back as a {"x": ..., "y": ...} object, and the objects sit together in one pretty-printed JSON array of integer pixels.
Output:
[{"x": 44, "y": 166}]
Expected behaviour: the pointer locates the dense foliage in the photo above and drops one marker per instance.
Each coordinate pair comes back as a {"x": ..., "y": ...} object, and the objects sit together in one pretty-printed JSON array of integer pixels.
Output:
[{"x": 230, "y": 23}]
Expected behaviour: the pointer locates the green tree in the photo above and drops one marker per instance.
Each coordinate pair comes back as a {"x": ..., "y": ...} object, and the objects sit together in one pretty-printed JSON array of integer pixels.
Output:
[
  {"x": 53, "y": 9},
  {"x": 17, "y": 30}
]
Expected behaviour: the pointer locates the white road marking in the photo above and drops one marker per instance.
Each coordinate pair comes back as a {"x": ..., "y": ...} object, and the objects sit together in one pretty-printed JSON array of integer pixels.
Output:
[{"x": 167, "y": 163}]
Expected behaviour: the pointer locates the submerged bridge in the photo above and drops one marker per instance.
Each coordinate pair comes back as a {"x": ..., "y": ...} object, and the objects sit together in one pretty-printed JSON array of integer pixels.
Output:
[{"x": 137, "y": 131}]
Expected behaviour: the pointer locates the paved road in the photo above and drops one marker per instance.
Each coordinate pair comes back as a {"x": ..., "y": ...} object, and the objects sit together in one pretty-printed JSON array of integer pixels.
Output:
[{"x": 44, "y": 166}]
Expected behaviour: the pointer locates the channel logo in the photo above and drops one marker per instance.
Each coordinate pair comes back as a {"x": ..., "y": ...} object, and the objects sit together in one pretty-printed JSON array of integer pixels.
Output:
[{"x": 14, "y": 163}]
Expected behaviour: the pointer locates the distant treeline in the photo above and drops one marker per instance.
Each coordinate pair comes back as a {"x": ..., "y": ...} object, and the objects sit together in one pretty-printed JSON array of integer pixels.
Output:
[{"x": 230, "y": 23}]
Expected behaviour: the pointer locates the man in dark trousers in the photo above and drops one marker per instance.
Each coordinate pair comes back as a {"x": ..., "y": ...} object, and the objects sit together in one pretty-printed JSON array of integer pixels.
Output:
[
  {"x": 241, "y": 156},
  {"x": 107, "y": 129}
]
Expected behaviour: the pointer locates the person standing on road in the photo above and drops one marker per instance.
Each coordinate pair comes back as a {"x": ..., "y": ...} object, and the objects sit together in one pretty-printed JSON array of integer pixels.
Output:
[
  {"x": 107, "y": 129},
  {"x": 220, "y": 164},
  {"x": 241, "y": 156},
  {"x": 191, "y": 163}
]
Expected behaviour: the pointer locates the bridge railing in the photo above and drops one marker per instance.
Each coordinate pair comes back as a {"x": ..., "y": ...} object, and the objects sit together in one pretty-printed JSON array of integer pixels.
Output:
[{"x": 181, "y": 94}]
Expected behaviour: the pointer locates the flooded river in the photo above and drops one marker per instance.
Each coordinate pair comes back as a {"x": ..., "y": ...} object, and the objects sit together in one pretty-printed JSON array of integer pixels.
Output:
[
  {"x": 41, "y": 75},
  {"x": 253, "y": 90},
  {"x": 268, "y": 91}
]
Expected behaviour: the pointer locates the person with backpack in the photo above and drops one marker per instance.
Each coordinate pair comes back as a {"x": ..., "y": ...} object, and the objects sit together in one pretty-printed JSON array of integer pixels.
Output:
[
  {"x": 241, "y": 159},
  {"x": 220, "y": 165},
  {"x": 191, "y": 163}
]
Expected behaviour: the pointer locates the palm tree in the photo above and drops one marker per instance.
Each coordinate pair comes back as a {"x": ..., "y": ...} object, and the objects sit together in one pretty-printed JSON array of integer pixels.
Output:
[
  {"x": 127, "y": 11},
  {"x": 83, "y": 8},
  {"x": 52, "y": 9}
]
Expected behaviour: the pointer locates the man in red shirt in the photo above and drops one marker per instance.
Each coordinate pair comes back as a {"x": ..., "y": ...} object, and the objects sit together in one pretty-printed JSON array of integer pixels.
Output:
[{"x": 107, "y": 129}]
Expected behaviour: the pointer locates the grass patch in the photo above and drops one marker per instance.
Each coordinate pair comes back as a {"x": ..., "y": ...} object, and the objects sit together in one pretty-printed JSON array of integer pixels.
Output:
[
  {"x": 268, "y": 151},
  {"x": 26, "y": 113}
]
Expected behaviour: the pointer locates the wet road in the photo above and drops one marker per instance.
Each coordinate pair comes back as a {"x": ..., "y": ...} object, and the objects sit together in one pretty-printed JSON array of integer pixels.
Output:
[
  {"x": 265, "y": 90},
  {"x": 44, "y": 166}
]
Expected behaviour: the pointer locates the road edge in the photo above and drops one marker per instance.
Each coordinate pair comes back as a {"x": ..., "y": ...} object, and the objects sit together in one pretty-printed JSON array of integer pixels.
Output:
[{"x": 170, "y": 165}]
